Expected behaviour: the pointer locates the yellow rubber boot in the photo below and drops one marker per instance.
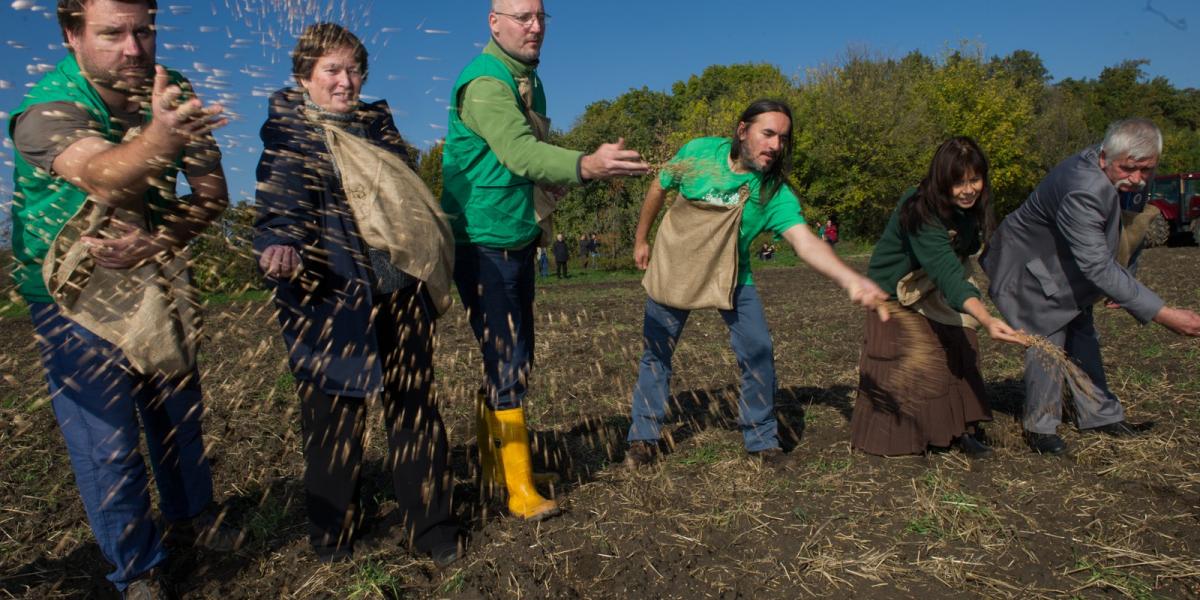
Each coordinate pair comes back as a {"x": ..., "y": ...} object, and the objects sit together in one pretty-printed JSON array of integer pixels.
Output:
[
  {"x": 523, "y": 498},
  {"x": 491, "y": 473},
  {"x": 486, "y": 439}
]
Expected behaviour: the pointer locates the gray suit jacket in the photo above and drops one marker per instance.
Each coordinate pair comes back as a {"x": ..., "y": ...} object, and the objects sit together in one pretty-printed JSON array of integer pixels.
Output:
[{"x": 1055, "y": 254}]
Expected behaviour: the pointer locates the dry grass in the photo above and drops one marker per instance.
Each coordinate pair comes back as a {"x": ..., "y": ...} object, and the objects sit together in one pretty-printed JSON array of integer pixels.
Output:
[{"x": 1117, "y": 518}]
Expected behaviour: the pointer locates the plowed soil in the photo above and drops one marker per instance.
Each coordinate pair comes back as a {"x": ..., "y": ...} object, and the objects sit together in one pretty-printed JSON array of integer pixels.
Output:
[{"x": 1114, "y": 518}]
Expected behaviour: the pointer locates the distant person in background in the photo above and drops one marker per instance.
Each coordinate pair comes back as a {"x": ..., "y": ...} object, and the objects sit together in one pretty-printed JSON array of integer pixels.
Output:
[
  {"x": 831, "y": 233},
  {"x": 734, "y": 190},
  {"x": 543, "y": 262},
  {"x": 357, "y": 322},
  {"x": 821, "y": 232},
  {"x": 594, "y": 250},
  {"x": 923, "y": 261},
  {"x": 585, "y": 251},
  {"x": 767, "y": 252},
  {"x": 97, "y": 144},
  {"x": 561, "y": 256},
  {"x": 501, "y": 182},
  {"x": 1054, "y": 257}
]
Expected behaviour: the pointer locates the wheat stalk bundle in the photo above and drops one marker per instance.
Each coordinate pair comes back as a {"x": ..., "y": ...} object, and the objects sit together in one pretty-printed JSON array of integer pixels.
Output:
[{"x": 1056, "y": 361}]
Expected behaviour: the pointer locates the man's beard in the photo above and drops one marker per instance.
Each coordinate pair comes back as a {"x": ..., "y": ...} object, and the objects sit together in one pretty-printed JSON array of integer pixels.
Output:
[
  {"x": 124, "y": 80},
  {"x": 749, "y": 161}
]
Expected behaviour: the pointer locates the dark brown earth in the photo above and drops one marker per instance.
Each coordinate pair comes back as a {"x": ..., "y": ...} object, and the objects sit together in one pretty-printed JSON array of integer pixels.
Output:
[{"x": 1115, "y": 518}]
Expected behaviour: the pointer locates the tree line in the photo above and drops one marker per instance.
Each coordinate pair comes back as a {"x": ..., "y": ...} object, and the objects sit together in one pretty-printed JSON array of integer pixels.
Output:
[{"x": 865, "y": 130}]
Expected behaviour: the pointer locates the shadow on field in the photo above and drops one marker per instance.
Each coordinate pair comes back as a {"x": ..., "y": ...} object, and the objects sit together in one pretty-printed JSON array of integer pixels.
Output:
[
  {"x": 1008, "y": 397},
  {"x": 580, "y": 453},
  {"x": 794, "y": 399},
  {"x": 79, "y": 574}
]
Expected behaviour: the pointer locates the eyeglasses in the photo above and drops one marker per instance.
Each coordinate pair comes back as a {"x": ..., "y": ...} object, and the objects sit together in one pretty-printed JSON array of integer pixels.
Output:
[{"x": 526, "y": 19}]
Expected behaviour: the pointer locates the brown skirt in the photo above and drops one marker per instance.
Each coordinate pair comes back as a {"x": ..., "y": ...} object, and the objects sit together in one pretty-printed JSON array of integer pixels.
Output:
[{"x": 906, "y": 403}]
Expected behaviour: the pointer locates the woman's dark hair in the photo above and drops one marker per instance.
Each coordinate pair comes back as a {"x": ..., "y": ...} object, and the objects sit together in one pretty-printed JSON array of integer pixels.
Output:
[
  {"x": 319, "y": 39},
  {"x": 954, "y": 159},
  {"x": 776, "y": 176}
]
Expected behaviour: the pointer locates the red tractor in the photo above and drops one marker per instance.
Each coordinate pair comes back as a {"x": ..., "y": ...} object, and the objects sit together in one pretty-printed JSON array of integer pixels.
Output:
[{"x": 1177, "y": 197}]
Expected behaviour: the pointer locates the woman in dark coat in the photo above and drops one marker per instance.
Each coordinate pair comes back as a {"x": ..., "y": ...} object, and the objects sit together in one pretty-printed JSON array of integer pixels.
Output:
[
  {"x": 355, "y": 326},
  {"x": 919, "y": 379}
]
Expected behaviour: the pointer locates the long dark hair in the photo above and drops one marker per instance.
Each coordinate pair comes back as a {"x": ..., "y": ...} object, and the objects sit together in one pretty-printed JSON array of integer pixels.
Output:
[
  {"x": 955, "y": 158},
  {"x": 775, "y": 177}
]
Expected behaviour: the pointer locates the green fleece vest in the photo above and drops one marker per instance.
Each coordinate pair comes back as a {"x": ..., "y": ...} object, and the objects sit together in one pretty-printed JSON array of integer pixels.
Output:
[
  {"x": 487, "y": 204},
  {"x": 43, "y": 202}
]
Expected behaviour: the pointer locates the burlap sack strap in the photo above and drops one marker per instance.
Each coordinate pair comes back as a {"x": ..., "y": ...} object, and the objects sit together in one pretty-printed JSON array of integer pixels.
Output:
[
  {"x": 395, "y": 212},
  {"x": 1134, "y": 226},
  {"x": 544, "y": 202},
  {"x": 917, "y": 291},
  {"x": 695, "y": 259},
  {"x": 149, "y": 311}
]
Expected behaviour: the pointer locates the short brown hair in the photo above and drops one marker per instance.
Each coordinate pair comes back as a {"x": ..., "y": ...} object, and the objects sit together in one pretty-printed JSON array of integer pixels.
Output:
[
  {"x": 70, "y": 13},
  {"x": 319, "y": 39}
]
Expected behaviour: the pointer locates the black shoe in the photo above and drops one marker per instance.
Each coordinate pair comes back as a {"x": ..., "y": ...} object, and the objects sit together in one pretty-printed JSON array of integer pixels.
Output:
[
  {"x": 205, "y": 530},
  {"x": 972, "y": 447},
  {"x": 444, "y": 544},
  {"x": 333, "y": 554},
  {"x": 149, "y": 586},
  {"x": 1045, "y": 443},
  {"x": 641, "y": 453},
  {"x": 1121, "y": 429},
  {"x": 775, "y": 458},
  {"x": 446, "y": 554}
]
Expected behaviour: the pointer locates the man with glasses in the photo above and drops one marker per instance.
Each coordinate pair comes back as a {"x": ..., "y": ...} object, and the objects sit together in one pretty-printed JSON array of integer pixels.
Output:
[{"x": 500, "y": 183}]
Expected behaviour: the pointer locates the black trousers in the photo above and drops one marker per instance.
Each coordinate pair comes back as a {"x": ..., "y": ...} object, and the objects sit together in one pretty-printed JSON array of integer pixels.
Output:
[
  {"x": 560, "y": 268},
  {"x": 418, "y": 452}
]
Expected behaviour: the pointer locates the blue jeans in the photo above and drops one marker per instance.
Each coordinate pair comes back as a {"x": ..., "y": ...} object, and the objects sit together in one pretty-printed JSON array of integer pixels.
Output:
[
  {"x": 496, "y": 287},
  {"x": 97, "y": 399},
  {"x": 751, "y": 342}
]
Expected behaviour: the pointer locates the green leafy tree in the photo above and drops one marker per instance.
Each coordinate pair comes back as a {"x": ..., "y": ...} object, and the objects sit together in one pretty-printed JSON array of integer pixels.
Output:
[{"x": 429, "y": 167}]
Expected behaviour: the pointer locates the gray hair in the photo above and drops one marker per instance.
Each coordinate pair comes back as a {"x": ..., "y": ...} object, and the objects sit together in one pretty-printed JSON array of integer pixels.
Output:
[{"x": 1135, "y": 138}]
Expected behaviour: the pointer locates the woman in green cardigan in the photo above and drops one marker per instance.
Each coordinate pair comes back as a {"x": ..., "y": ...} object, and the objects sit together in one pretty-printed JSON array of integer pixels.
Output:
[{"x": 919, "y": 379}]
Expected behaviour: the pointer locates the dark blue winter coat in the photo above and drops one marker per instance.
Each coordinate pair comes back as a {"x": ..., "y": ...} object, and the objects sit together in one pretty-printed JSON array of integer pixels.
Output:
[{"x": 326, "y": 311}]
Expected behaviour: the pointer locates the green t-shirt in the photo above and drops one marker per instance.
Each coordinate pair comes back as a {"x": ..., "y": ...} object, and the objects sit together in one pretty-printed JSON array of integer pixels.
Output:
[{"x": 700, "y": 172}]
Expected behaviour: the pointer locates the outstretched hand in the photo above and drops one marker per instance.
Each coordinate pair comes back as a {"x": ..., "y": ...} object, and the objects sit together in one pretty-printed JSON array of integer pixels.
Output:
[
  {"x": 999, "y": 330},
  {"x": 612, "y": 160},
  {"x": 1179, "y": 320},
  {"x": 184, "y": 121},
  {"x": 865, "y": 293}
]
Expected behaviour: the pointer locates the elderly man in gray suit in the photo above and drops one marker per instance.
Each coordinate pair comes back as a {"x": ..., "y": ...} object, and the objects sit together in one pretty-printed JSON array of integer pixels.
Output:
[{"x": 1053, "y": 258}]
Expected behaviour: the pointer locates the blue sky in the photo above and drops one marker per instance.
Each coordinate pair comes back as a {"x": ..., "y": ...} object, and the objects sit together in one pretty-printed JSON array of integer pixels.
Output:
[{"x": 598, "y": 49}]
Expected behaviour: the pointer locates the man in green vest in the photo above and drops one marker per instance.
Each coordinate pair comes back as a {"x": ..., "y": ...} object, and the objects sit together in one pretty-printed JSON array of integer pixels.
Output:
[
  {"x": 500, "y": 178},
  {"x": 106, "y": 130}
]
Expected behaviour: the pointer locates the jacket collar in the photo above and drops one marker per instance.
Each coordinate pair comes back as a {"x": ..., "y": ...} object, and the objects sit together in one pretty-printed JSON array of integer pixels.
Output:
[{"x": 515, "y": 65}]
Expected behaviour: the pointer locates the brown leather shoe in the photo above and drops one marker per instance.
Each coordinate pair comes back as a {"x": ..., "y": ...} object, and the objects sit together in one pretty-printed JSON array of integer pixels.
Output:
[
  {"x": 149, "y": 586},
  {"x": 775, "y": 458},
  {"x": 640, "y": 454}
]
